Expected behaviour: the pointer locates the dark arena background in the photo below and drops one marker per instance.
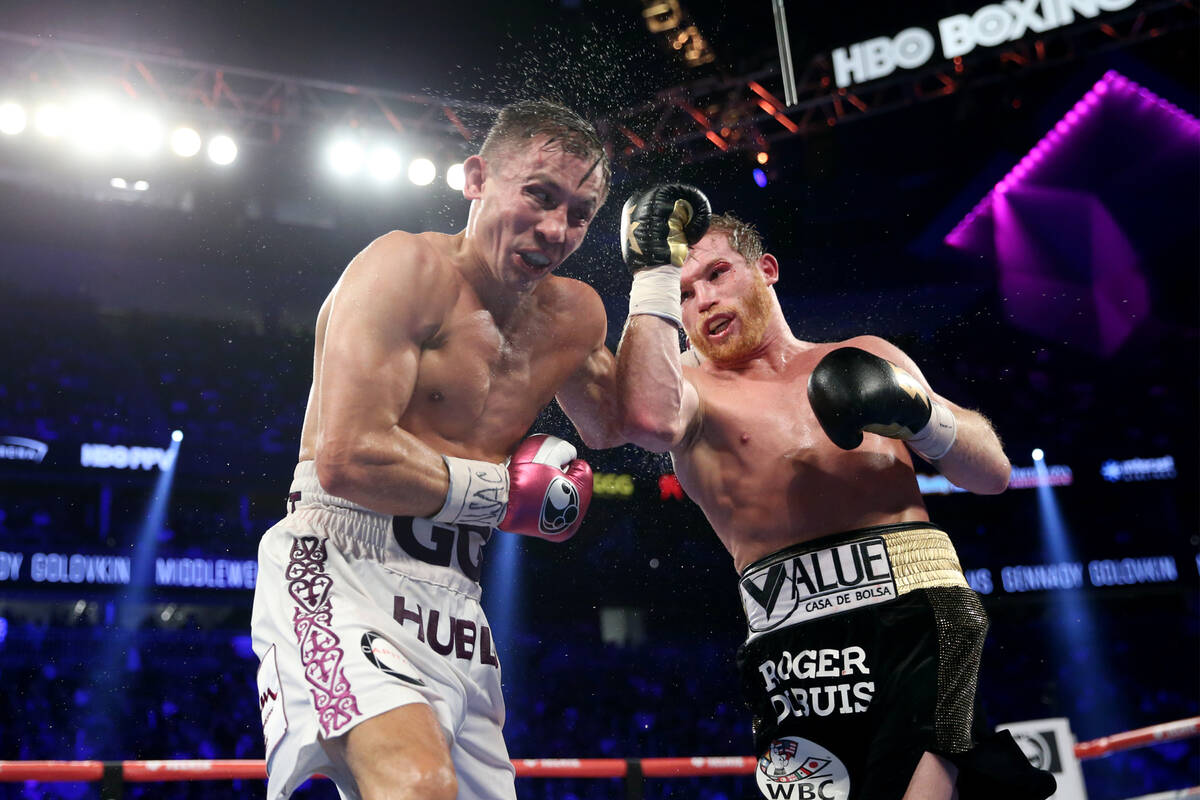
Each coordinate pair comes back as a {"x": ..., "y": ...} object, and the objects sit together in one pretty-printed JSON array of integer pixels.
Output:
[{"x": 1009, "y": 192}]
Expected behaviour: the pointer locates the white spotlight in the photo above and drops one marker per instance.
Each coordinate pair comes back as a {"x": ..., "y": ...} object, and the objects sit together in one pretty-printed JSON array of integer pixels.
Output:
[
  {"x": 12, "y": 118},
  {"x": 345, "y": 156},
  {"x": 176, "y": 436},
  {"x": 384, "y": 163},
  {"x": 143, "y": 134},
  {"x": 422, "y": 171},
  {"x": 118, "y": 183},
  {"x": 455, "y": 177},
  {"x": 51, "y": 120},
  {"x": 222, "y": 149},
  {"x": 1038, "y": 455},
  {"x": 141, "y": 186},
  {"x": 185, "y": 142},
  {"x": 96, "y": 125}
]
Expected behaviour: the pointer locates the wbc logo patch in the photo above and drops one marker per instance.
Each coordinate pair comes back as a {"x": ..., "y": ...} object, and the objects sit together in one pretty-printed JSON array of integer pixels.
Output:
[{"x": 794, "y": 768}]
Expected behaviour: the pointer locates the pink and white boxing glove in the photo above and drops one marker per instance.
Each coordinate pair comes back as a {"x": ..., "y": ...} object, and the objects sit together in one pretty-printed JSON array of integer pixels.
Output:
[{"x": 543, "y": 490}]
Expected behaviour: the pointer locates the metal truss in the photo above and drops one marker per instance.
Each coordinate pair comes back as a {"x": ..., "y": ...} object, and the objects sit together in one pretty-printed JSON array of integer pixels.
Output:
[
  {"x": 715, "y": 116},
  {"x": 257, "y": 105},
  {"x": 693, "y": 122}
]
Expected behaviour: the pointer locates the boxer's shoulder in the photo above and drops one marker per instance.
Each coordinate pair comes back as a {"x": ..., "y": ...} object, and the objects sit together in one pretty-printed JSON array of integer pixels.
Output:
[
  {"x": 573, "y": 307},
  {"x": 406, "y": 271}
]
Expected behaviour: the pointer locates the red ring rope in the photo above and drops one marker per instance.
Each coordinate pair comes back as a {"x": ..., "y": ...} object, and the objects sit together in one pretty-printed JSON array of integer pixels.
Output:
[{"x": 232, "y": 769}]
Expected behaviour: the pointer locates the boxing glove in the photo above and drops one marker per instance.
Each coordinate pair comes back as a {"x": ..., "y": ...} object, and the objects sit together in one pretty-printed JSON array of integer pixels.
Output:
[
  {"x": 657, "y": 226},
  {"x": 543, "y": 490},
  {"x": 852, "y": 391}
]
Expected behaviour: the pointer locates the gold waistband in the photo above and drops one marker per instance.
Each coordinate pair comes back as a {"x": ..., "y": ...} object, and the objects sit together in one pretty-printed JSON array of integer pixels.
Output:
[{"x": 923, "y": 558}]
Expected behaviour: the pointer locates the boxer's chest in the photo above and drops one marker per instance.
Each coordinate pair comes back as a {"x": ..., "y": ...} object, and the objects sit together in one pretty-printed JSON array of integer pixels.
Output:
[{"x": 476, "y": 382}]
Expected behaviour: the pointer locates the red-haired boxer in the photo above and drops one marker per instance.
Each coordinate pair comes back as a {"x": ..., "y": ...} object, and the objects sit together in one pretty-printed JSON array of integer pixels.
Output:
[
  {"x": 434, "y": 355},
  {"x": 862, "y": 656}
]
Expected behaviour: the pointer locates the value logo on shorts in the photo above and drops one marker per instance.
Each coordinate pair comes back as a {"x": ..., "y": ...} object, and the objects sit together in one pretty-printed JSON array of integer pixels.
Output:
[
  {"x": 797, "y": 769},
  {"x": 384, "y": 655},
  {"x": 811, "y": 585}
]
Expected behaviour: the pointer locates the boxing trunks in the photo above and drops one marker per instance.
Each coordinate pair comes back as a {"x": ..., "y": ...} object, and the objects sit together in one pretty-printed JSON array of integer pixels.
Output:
[
  {"x": 357, "y": 613},
  {"x": 863, "y": 652}
]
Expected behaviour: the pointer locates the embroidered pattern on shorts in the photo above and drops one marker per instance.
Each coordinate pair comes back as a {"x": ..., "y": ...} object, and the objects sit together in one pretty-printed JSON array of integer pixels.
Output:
[{"x": 320, "y": 650}]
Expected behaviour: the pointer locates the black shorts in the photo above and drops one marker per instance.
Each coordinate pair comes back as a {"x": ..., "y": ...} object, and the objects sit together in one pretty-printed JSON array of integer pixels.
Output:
[{"x": 863, "y": 653}]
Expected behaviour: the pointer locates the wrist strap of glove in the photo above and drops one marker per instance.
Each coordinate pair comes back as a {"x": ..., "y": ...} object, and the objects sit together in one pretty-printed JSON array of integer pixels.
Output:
[
  {"x": 939, "y": 434},
  {"x": 478, "y": 493},
  {"x": 655, "y": 291}
]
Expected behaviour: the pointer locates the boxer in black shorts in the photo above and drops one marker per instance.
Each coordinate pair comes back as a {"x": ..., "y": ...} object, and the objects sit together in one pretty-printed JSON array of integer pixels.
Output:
[
  {"x": 863, "y": 652},
  {"x": 863, "y": 647}
]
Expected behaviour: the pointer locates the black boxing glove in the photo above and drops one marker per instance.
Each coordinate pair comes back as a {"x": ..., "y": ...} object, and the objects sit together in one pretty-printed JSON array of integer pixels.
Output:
[
  {"x": 852, "y": 391},
  {"x": 657, "y": 226}
]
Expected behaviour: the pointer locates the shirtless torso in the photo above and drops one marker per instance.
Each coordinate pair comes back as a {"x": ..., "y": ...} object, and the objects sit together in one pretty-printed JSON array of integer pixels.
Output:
[
  {"x": 473, "y": 391},
  {"x": 765, "y": 473}
]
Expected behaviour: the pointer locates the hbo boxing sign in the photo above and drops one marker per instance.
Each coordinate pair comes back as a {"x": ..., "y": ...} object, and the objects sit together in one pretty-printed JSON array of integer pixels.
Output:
[{"x": 991, "y": 25}]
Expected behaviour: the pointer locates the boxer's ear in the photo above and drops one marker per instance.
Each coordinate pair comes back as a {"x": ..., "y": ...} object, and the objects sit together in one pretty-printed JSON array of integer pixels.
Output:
[{"x": 474, "y": 174}]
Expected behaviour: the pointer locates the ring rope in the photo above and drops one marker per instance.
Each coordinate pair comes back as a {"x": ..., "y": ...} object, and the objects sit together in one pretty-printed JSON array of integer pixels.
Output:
[{"x": 251, "y": 769}]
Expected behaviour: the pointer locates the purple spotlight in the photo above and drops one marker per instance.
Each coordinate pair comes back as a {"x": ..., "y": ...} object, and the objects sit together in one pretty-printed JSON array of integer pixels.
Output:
[
  {"x": 1093, "y": 292},
  {"x": 1112, "y": 88},
  {"x": 760, "y": 178}
]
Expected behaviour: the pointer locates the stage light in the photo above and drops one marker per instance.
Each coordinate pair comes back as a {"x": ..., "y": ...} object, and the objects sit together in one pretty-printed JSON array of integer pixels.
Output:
[
  {"x": 96, "y": 125},
  {"x": 143, "y": 134},
  {"x": 50, "y": 120},
  {"x": 384, "y": 163},
  {"x": 185, "y": 142},
  {"x": 345, "y": 157},
  {"x": 455, "y": 177},
  {"x": 760, "y": 178},
  {"x": 222, "y": 150},
  {"x": 762, "y": 157},
  {"x": 12, "y": 118},
  {"x": 422, "y": 171},
  {"x": 141, "y": 186},
  {"x": 118, "y": 183},
  {"x": 177, "y": 436},
  {"x": 1038, "y": 455}
]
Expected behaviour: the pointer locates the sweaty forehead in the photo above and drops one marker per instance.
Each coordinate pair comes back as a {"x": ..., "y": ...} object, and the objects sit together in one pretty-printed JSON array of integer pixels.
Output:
[
  {"x": 711, "y": 248},
  {"x": 543, "y": 159}
]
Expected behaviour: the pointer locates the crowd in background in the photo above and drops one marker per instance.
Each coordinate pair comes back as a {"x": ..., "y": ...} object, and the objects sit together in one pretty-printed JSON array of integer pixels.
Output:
[{"x": 82, "y": 686}]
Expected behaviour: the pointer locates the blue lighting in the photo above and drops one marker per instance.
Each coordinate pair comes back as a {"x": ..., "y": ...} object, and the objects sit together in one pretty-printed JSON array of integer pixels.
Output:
[
  {"x": 1080, "y": 644},
  {"x": 760, "y": 178}
]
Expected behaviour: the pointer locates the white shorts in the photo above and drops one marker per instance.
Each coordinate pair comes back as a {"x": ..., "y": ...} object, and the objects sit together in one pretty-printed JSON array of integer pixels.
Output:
[{"x": 356, "y": 613}]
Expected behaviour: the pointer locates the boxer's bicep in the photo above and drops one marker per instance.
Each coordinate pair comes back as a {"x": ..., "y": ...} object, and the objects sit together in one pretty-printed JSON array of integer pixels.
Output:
[
  {"x": 369, "y": 361},
  {"x": 589, "y": 399},
  {"x": 659, "y": 405}
]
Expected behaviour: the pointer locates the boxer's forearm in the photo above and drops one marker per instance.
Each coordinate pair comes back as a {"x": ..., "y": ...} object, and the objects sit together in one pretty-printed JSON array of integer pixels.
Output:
[
  {"x": 977, "y": 461},
  {"x": 657, "y": 404},
  {"x": 390, "y": 472}
]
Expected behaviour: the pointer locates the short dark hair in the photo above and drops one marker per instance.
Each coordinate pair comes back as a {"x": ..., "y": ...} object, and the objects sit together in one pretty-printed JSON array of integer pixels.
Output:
[
  {"x": 518, "y": 122},
  {"x": 744, "y": 238}
]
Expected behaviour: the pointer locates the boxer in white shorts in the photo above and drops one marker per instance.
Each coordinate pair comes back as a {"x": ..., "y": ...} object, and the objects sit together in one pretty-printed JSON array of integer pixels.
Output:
[
  {"x": 344, "y": 638},
  {"x": 433, "y": 356}
]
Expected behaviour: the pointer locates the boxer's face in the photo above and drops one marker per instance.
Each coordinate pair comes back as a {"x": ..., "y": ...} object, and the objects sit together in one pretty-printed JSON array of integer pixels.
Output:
[
  {"x": 726, "y": 301},
  {"x": 536, "y": 202}
]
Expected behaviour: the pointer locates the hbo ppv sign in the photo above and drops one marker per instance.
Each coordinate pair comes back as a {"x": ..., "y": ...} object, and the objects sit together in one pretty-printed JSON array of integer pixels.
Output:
[{"x": 960, "y": 34}]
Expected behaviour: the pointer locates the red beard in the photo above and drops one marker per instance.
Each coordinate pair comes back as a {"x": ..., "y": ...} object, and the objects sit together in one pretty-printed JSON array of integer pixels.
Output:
[{"x": 753, "y": 313}]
